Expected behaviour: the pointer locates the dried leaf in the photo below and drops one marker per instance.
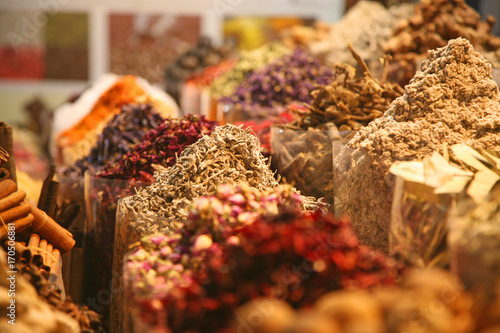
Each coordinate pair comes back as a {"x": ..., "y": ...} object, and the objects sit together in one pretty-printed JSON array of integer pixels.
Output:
[
  {"x": 409, "y": 171},
  {"x": 470, "y": 157},
  {"x": 482, "y": 184}
]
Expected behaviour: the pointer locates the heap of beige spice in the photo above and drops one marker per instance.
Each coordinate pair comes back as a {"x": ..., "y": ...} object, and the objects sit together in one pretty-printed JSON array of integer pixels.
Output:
[
  {"x": 451, "y": 99},
  {"x": 230, "y": 155}
]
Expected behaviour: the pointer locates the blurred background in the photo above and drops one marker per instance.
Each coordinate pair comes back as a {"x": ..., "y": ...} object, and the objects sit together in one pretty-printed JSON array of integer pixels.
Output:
[{"x": 52, "y": 49}]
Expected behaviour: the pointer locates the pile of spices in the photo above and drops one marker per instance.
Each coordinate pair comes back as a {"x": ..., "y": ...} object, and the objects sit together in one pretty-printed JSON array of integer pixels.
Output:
[
  {"x": 211, "y": 222},
  {"x": 432, "y": 25},
  {"x": 120, "y": 135},
  {"x": 210, "y": 225},
  {"x": 191, "y": 62},
  {"x": 230, "y": 155},
  {"x": 32, "y": 313},
  {"x": 349, "y": 102},
  {"x": 76, "y": 142},
  {"x": 367, "y": 26},
  {"x": 210, "y": 73},
  {"x": 158, "y": 146},
  {"x": 289, "y": 78},
  {"x": 249, "y": 61},
  {"x": 88, "y": 320},
  {"x": 452, "y": 99},
  {"x": 302, "y": 151},
  {"x": 296, "y": 258},
  {"x": 385, "y": 309}
]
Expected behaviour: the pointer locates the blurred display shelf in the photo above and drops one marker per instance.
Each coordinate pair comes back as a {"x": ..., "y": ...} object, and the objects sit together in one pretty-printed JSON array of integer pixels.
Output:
[{"x": 211, "y": 13}]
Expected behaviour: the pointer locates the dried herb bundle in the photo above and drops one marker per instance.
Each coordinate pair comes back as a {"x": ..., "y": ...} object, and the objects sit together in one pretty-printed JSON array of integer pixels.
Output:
[
  {"x": 120, "y": 135},
  {"x": 351, "y": 103},
  {"x": 230, "y": 155}
]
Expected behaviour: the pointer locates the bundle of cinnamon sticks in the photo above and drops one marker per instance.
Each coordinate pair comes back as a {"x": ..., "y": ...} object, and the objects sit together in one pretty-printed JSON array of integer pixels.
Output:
[
  {"x": 39, "y": 252},
  {"x": 18, "y": 214}
]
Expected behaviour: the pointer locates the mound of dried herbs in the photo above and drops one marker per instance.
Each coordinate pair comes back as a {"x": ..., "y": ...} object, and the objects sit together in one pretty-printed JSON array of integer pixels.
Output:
[
  {"x": 296, "y": 258},
  {"x": 289, "y": 78},
  {"x": 120, "y": 135},
  {"x": 230, "y": 155},
  {"x": 451, "y": 99},
  {"x": 158, "y": 146},
  {"x": 248, "y": 62}
]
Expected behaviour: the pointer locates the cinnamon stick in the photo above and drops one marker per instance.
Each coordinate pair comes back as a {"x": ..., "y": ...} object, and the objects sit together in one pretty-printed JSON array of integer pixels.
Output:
[
  {"x": 48, "y": 261},
  {"x": 51, "y": 200},
  {"x": 7, "y": 163},
  {"x": 44, "y": 195},
  {"x": 34, "y": 240},
  {"x": 15, "y": 213},
  {"x": 21, "y": 225},
  {"x": 42, "y": 248},
  {"x": 33, "y": 245},
  {"x": 12, "y": 200},
  {"x": 47, "y": 228},
  {"x": 7, "y": 186},
  {"x": 55, "y": 267}
]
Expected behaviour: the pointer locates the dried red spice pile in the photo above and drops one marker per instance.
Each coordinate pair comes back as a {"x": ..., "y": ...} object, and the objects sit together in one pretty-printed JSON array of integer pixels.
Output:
[
  {"x": 159, "y": 146},
  {"x": 294, "y": 258},
  {"x": 120, "y": 135}
]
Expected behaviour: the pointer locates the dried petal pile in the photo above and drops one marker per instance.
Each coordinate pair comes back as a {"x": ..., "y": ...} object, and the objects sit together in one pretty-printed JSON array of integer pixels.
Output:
[
  {"x": 433, "y": 24},
  {"x": 249, "y": 61},
  {"x": 290, "y": 78},
  {"x": 452, "y": 99},
  {"x": 211, "y": 223},
  {"x": 158, "y": 146},
  {"x": 120, "y": 135},
  {"x": 296, "y": 258},
  {"x": 230, "y": 155}
]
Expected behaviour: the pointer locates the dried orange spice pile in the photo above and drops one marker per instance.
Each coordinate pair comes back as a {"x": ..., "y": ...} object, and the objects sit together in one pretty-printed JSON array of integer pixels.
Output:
[{"x": 77, "y": 141}]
